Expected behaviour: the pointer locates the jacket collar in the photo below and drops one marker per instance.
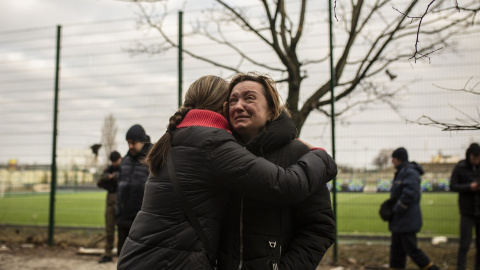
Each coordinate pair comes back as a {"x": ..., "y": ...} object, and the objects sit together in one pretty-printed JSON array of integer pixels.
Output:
[
  {"x": 143, "y": 153},
  {"x": 278, "y": 133},
  {"x": 410, "y": 165},
  {"x": 204, "y": 118}
]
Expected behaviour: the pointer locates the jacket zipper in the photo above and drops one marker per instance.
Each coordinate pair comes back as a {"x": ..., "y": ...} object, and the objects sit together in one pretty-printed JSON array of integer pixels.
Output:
[{"x": 273, "y": 257}]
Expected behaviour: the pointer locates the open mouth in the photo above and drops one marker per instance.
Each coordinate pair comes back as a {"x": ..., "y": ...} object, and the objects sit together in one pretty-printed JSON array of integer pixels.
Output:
[{"x": 241, "y": 117}]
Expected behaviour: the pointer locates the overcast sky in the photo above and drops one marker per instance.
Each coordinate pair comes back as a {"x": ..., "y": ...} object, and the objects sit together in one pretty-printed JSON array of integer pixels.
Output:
[
  {"x": 38, "y": 13},
  {"x": 356, "y": 141}
]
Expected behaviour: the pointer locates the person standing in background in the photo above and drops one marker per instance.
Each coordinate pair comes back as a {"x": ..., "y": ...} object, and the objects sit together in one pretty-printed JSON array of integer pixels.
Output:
[
  {"x": 131, "y": 185},
  {"x": 465, "y": 180},
  {"x": 407, "y": 216},
  {"x": 109, "y": 181}
]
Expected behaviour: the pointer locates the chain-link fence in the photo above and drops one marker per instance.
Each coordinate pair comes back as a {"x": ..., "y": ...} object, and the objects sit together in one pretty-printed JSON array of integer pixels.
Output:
[{"x": 125, "y": 70}]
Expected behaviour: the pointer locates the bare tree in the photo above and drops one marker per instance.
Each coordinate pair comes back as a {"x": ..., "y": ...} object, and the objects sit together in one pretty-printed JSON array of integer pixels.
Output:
[
  {"x": 371, "y": 36},
  {"x": 109, "y": 132},
  {"x": 383, "y": 158},
  {"x": 467, "y": 122}
]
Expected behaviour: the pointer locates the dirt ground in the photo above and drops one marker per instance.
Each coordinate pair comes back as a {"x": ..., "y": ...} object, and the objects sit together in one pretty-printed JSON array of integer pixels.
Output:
[{"x": 27, "y": 249}]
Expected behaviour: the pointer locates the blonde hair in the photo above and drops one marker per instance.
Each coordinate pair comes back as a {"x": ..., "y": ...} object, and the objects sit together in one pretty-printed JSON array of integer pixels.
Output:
[{"x": 206, "y": 93}]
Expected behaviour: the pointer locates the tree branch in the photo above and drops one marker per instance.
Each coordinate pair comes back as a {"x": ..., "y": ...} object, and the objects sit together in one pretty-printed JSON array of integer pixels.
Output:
[
  {"x": 470, "y": 123},
  {"x": 225, "y": 42},
  {"x": 246, "y": 23},
  {"x": 447, "y": 126},
  {"x": 465, "y": 88},
  {"x": 419, "y": 25},
  {"x": 158, "y": 27}
]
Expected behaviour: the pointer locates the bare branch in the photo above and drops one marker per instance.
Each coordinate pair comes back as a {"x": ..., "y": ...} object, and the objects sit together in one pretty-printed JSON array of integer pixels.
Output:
[
  {"x": 242, "y": 55},
  {"x": 316, "y": 61},
  {"x": 247, "y": 24},
  {"x": 158, "y": 27},
  {"x": 465, "y": 88},
  {"x": 335, "y": 9},
  {"x": 420, "y": 20},
  {"x": 301, "y": 22},
  {"x": 374, "y": 93},
  {"x": 470, "y": 123},
  {"x": 447, "y": 126}
]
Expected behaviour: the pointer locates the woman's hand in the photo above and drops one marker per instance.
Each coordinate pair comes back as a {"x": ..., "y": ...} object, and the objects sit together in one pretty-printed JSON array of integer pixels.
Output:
[
  {"x": 311, "y": 146},
  {"x": 474, "y": 186}
]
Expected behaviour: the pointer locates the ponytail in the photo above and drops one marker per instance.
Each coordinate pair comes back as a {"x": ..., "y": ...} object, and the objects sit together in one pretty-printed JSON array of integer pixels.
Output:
[
  {"x": 159, "y": 152},
  {"x": 206, "y": 93}
]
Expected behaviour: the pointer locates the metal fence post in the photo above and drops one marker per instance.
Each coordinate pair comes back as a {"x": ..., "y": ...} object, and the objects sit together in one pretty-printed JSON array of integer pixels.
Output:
[
  {"x": 332, "y": 113},
  {"x": 180, "y": 59},
  {"x": 53, "y": 184}
]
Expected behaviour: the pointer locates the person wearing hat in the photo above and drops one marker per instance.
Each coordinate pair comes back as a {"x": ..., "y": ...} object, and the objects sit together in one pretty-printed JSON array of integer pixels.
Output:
[
  {"x": 407, "y": 217},
  {"x": 465, "y": 180},
  {"x": 109, "y": 181},
  {"x": 131, "y": 184}
]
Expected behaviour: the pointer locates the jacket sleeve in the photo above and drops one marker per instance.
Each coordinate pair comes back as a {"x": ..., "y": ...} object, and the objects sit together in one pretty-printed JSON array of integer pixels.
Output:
[
  {"x": 455, "y": 183},
  {"x": 410, "y": 191},
  {"x": 103, "y": 181},
  {"x": 239, "y": 170},
  {"x": 106, "y": 182},
  {"x": 314, "y": 232}
]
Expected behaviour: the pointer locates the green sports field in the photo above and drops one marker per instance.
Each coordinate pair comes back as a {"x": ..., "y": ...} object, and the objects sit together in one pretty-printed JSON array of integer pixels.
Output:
[
  {"x": 71, "y": 209},
  {"x": 357, "y": 212}
]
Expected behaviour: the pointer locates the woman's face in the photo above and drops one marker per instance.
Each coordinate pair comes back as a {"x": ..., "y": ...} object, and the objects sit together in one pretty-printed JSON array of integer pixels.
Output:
[{"x": 248, "y": 109}]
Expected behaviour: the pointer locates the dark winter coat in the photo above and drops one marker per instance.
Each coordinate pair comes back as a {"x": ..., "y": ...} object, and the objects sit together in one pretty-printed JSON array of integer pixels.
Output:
[
  {"x": 407, "y": 216},
  {"x": 109, "y": 184},
  {"x": 209, "y": 162},
  {"x": 257, "y": 235},
  {"x": 131, "y": 184},
  {"x": 463, "y": 175}
]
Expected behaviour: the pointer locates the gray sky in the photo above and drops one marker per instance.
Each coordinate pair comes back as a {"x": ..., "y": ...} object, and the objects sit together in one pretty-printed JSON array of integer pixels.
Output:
[
  {"x": 39, "y": 13},
  {"x": 360, "y": 135}
]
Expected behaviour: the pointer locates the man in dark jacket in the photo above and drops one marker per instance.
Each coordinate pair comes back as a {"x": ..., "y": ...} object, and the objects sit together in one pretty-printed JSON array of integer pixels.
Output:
[
  {"x": 407, "y": 216},
  {"x": 131, "y": 185},
  {"x": 465, "y": 180},
  {"x": 109, "y": 181}
]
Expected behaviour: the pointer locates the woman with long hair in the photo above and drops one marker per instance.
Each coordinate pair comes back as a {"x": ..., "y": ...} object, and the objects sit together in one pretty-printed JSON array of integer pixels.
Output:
[
  {"x": 208, "y": 165},
  {"x": 262, "y": 235}
]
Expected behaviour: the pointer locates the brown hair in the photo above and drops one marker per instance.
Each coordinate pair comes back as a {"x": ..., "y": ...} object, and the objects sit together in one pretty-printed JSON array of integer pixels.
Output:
[
  {"x": 206, "y": 93},
  {"x": 270, "y": 92}
]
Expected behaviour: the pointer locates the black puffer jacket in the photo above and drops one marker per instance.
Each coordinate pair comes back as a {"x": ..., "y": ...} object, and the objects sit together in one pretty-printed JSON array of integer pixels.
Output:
[
  {"x": 131, "y": 184},
  {"x": 463, "y": 175},
  {"x": 257, "y": 235},
  {"x": 208, "y": 161},
  {"x": 109, "y": 184},
  {"x": 407, "y": 215}
]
